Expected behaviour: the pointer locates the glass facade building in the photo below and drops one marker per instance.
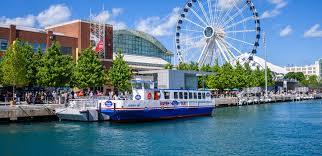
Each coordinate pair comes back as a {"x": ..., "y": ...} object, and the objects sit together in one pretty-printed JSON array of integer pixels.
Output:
[{"x": 139, "y": 43}]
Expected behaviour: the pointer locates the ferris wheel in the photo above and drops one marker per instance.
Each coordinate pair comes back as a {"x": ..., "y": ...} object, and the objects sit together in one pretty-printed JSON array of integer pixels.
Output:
[{"x": 217, "y": 30}]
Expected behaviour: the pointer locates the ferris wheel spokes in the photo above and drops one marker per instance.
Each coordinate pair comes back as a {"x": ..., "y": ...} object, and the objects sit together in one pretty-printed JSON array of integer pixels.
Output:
[
  {"x": 207, "y": 31},
  {"x": 240, "y": 11}
]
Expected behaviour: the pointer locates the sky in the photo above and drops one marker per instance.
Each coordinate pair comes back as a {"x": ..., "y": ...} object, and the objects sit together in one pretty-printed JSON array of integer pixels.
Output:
[{"x": 293, "y": 27}]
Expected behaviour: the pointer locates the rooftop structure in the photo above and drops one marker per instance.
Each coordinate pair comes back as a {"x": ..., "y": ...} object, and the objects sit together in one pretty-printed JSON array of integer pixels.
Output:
[
  {"x": 141, "y": 50},
  {"x": 260, "y": 62}
]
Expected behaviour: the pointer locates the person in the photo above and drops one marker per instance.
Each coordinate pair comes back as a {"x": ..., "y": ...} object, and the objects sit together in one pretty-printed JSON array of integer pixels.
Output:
[
  {"x": 54, "y": 97},
  {"x": 99, "y": 93},
  {"x": 91, "y": 94},
  {"x": 65, "y": 95},
  {"x": 72, "y": 93}
]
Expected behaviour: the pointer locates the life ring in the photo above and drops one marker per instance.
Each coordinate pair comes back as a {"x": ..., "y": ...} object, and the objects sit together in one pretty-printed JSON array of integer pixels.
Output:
[{"x": 149, "y": 96}]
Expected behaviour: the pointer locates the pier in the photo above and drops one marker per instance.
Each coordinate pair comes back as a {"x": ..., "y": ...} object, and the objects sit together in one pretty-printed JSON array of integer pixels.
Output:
[
  {"x": 47, "y": 112},
  {"x": 235, "y": 101},
  {"x": 18, "y": 113}
]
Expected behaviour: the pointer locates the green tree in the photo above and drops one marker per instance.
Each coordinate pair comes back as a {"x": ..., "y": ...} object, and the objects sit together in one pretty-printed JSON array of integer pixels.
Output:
[
  {"x": 248, "y": 76},
  {"x": 1, "y": 73},
  {"x": 15, "y": 65},
  {"x": 299, "y": 76},
  {"x": 313, "y": 81},
  {"x": 56, "y": 69},
  {"x": 89, "y": 71},
  {"x": 34, "y": 64},
  {"x": 193, "y": 66},
  {"x": 182, "y": 66},
  {"x": 120, "y": 74},
  {"x": 205, "y": 68},
  {"x": 168, "y": 66},
  {"x": 240, "y": 76},
  {"x": 224, "y": 77}
]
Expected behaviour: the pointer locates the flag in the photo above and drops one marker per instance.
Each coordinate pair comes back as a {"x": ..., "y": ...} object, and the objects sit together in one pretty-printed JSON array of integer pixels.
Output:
[{"x": 99, "y": 46}]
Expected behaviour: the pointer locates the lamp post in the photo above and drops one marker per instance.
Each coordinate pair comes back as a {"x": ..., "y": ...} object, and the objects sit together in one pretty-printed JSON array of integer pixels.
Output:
[{"x": 265, "y": 49}]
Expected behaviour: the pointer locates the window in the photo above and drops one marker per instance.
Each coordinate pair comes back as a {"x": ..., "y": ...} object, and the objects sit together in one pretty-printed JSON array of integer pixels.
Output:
[
  {"x": 66, "y": 50},
  {"x": 180, "y": 95},
  {"x": 137, "y": 86},
  {"x": 185, "y": 95},
  {"x": 190, "y": 96},
  {"x": 175, "y": 95},
  {"x": 203, "y": 96},
  {"x": 36, "y": 46},
  {"x": 166, "y": 95},
  {"x": 195, "y": 95},
  {"x": 147, "y": 86},
  {"x": 3, "y": 44},
  {"x": 199, "y": 95}
]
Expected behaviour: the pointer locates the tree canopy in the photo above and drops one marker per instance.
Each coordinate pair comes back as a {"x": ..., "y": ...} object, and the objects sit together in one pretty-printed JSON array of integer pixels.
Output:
[
  {"x": 56, "y": 69},
  {"x": 89, "y": 71},
  {"x": 15, "y": 65},
  {"x": 230, "y": 77},
  {"x": 299, "y": 76},
  {"x": 120, "y": 74}
]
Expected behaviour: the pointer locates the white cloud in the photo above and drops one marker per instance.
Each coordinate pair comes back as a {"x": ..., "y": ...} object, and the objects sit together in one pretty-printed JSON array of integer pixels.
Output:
[
  {"x": 158, "y": 26},
  {"x": 53, "y": 15},
  {"x": 109, "y": 18},
  {"x": 286, "y": 31},
  {"x": 28, "y": 21},
  {"x": 279, "y": 4},
  {"x": 314, "y": 31}
]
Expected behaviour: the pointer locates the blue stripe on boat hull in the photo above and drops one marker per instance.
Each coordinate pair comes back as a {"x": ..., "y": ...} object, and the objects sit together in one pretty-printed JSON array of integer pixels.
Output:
[{"x": 157, "y": 114}]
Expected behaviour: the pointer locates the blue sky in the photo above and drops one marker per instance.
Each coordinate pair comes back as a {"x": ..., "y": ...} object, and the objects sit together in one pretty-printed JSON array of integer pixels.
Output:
[{"x": 294, "y": 34}]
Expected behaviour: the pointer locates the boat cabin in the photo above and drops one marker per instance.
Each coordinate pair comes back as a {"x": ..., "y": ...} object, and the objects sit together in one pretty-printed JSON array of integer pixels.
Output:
[{"x": 143, "y": 90}]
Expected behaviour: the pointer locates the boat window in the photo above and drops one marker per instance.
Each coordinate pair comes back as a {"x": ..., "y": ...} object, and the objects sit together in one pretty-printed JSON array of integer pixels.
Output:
[
  {"x": 185, "y": 95},
  {"x": 195, "y": 95},
  {"x": 166, "y": 95},
  {"x": 175, "y": 95},
  {"x": 147, "y": 86},
  {"x": 137, "y": 85},
  {"x": 199, "y": 95},
  {"x": 203, "y": 96},
  {"x": 180, "y": 95},
  {"x": 190, "y": 96}
]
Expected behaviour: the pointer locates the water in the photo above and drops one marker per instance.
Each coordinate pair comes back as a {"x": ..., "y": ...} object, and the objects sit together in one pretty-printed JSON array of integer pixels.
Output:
[{"x": 277, "y": 129}]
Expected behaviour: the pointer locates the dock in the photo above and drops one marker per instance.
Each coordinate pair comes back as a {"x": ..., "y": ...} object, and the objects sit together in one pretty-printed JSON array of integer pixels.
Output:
[
  {"x": 48, "y": 112},
  {"x": 19, "y": 113},
  {"x": 235, "y": 101}
]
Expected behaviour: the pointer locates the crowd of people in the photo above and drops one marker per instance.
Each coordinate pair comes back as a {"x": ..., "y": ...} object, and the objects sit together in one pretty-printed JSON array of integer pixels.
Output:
[{"x": 50, "y": 97}]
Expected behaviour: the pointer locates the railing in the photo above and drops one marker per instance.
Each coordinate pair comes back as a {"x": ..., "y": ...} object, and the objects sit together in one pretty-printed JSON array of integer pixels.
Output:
[{"x": 83, "y": 103}]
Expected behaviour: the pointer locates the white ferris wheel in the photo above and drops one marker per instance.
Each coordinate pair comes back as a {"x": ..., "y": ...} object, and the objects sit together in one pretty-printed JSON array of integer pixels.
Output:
[{"x": 217, "y": 30}]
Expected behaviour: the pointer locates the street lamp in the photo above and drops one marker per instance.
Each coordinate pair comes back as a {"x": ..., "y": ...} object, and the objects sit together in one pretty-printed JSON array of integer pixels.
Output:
[{"x": 265, "y": 49}]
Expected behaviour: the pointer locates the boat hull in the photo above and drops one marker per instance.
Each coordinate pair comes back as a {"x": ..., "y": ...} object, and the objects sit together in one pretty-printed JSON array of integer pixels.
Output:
[{"x": 126, "y": 115}]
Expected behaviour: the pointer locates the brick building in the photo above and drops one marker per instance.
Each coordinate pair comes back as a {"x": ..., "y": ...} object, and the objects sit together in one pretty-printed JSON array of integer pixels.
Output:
[{"x": 73, "y": 36}]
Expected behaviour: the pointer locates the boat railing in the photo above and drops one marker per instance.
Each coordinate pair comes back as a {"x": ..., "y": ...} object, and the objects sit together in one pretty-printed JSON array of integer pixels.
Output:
[{"x": 83, "y": 103}]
